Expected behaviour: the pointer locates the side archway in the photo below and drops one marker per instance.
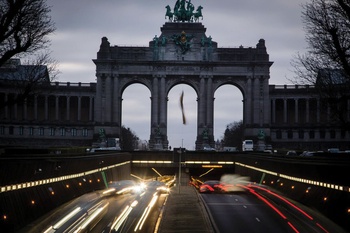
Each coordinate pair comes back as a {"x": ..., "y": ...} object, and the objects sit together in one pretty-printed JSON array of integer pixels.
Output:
[
  {"x": 228, "y": 108},
  {"x": 136, "y": 111}
]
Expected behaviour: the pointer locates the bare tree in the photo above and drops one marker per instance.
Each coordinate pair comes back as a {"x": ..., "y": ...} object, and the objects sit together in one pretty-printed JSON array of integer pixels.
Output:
[
  {"x": 28, "y": 79},
  {"x": 128, "y": 140},
  {"x": 24, "y": 27},
  {"x": 233, "y": 134},
  {"x": 326, "y": 64}
]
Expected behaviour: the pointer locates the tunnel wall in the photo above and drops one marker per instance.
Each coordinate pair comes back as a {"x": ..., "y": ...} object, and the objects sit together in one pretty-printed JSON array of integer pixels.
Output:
[{"x": 19, "y": 208}]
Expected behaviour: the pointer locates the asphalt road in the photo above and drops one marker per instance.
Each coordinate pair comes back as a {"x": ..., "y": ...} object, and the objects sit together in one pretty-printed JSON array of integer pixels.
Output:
[
  {"x": 251, "y": 208},
  {"x": 106, "y": 211},
  {"x": 258, "y": 210}
]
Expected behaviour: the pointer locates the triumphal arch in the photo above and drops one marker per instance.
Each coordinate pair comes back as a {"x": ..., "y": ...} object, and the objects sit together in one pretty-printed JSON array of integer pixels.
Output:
[{"x": 182, "y": 54}]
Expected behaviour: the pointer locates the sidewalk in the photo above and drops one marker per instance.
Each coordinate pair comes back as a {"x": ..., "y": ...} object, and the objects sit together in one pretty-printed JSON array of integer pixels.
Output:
[{"x": 184, "y": 212}]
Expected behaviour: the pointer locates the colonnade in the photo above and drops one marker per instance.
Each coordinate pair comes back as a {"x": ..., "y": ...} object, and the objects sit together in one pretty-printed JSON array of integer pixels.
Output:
[
  {"x": 306, "y": 122},
  {"x": 110, "y": 87},
  {"x": 108, "y": 106},
  {"x": 49, "y": 108},
  {"x": 301, "y": 110}
]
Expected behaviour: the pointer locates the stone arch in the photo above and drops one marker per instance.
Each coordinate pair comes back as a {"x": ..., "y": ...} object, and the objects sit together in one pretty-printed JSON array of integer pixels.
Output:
[
  {"x": 126, "y": 82},
  {"x": 138, "y": 91},
  {"x": 205, "y": 67},
  {"x": 239, "y": 84},
  {"x": 175, "y": 114},
  {"x": 189, "y": 82},
  {"x": 218, "y": 91}
]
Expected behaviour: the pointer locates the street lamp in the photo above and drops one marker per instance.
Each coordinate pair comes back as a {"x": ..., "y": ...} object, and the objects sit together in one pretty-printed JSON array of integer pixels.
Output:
[
  {"x": 180, "y": 168},
  {"x": 180, "y": 153}
]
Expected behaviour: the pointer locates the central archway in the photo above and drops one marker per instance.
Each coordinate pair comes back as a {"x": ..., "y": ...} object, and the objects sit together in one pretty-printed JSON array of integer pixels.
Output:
[{"x": 180, "y": 133}]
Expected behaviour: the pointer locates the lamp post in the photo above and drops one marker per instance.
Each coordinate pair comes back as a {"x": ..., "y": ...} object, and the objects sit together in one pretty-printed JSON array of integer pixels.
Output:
[
  {"x": 180, "y": 168},
  {"x": 182, "y": 142}
]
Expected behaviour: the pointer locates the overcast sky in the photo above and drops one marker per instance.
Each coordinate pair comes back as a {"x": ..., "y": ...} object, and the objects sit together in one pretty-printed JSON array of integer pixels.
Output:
[{"x": 231, "y": 23}]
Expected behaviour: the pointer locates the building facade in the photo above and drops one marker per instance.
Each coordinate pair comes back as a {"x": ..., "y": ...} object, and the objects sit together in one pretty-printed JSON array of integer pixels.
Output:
[{"x": 301, "y": 119}]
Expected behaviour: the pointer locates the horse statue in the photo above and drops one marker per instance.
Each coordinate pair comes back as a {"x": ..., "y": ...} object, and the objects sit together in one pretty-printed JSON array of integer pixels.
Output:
[
  {"x": 183, "y": 13},
  {"x": 169, "y": 13},
  {"x": 189, "y": 12},
  {"x": 198, "y": 14}
]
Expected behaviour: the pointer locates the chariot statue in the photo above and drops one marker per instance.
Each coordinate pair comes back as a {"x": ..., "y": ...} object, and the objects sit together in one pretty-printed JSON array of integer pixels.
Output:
[{"x": 183, "y": 12}]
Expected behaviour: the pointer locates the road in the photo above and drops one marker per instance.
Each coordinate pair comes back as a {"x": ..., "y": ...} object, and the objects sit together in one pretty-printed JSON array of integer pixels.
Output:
[
  {"x": 256, "y": 209},
  {"x": 120, "y": 208},
  {"x": 125, "y": 207}
]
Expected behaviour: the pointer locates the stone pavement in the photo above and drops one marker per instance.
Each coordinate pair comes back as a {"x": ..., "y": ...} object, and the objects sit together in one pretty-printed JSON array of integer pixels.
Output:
[{"x": 184, "y": 212}]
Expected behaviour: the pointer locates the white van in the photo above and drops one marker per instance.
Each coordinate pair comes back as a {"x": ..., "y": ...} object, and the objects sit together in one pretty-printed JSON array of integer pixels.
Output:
[{"x": 247, "y": 145}]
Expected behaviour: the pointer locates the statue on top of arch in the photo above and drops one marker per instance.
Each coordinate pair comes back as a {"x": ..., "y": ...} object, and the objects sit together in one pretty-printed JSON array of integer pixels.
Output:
[{"x": 183, "y": 12}]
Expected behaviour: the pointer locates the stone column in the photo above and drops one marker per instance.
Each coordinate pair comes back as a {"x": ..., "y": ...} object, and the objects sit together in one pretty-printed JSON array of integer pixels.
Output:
[
  {"x": 79, "y": 108},
  {"x": 116, "y": 112},
  {"x": 248, "y": 102},
  {"x": 25, "y": 109},
  {"x": 36, "y": 107},
  {"x": 15, "y": 106},
  {"x": 210, "y": 111},
  {"x": 154, "y": 137},
  {"x": 307, "y": 110},
  {"x": 273, "y": 110},
  {"x": 6, "y": 107},
  {"x": 328, "y": 112},
  {"x": 285, "y": 110},
  {"x": 318, "y": 111},
  {"x": 57, "y": 108},
  {"x": 201, "y": 112},
  {"x": 266, "y": 108},
  {"x": 163, "y": 102},
  {"x": 91, "y": 108},
  {"x": 157, "y": 139},
  {"x": 108, "y": 99},
  {"x": 46, "y": 107},
  {"x": 98, "y": 100},
  {"x": 296, "y": 110},
  {"x": 68, "y": 108},
  {"x": 255, "y": 101},
  {"x": 154, "y": 104},
  {"x": 201, "y": 104},
  {"x": 210, "y": 105},
  {"x": 163, "y": 108}
]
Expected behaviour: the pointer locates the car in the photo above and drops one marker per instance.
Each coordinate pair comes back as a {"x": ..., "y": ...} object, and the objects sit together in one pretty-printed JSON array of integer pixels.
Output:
[
  {"x": 291, "y": 153},
  {"x": 268, "y": 151},
  {"x": 307, "y": 154},
  {"x": 127, "y": 186},
  {"x": 207, "y": 148},
  {"x": 159, "y": 186},
  {"x": 103, "y": 149},
  {"x": 333, "y": 150},
  {"x": 211, "y": 186}
]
